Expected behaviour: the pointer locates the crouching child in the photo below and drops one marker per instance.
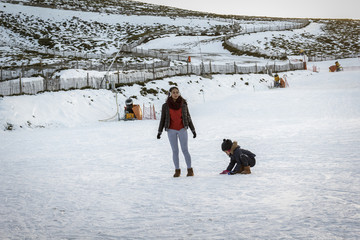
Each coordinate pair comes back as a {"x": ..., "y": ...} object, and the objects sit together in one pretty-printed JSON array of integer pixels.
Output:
[{"x": 240, "y": 159}]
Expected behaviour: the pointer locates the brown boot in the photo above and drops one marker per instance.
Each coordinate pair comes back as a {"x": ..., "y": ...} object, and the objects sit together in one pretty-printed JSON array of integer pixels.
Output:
[
  {"x": 246, "y": 170},
  {"x": 177, "y": 172},
  {"x": 190, "y": 172},
  {"x": 241, "y": 169}
]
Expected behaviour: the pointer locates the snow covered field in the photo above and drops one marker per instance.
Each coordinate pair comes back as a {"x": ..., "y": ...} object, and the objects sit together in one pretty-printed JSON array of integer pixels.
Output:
[
  {"x": 59, "y": 15},
  {"x": 205, "y": 48},
  {"x": 79, "y": 178},
  {"x": 261, "y": 40},
  {"x": 200, "y": 48}
]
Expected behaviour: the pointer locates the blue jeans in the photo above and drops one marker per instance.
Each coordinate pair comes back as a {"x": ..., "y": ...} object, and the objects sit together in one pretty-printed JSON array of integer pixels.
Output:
[{"x": 182, "y": 135}]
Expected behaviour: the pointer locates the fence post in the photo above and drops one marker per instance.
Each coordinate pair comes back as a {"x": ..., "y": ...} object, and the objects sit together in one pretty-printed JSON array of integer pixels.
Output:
[
  {"x": 235, "y": 67},
  {"x": 154, "y": 112},
  {"x": 154, "y": 73},
  {"x": 46, "y": 82},
  {"x": 20, "y": 85},
  {"x": 1, "y": 74},
  {"x": 87, "y": 79},
  {"x": 58, "y": 83},
  {"x": 274, "y": 67},
  {"x": 22, "y": 69},
  {"x": 41, "y": 68}
]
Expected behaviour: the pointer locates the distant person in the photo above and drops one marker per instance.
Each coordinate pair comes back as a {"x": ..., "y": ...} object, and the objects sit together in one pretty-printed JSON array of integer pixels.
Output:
[
  {"x": 338, "y": 66},
  {"x": 276, "y": 80},
  {"x": 129, "y": 105},
  {"x": 240, "y": 159},
  {"x": 175, "y": 118},
  {"x": 335, "y": 68}
]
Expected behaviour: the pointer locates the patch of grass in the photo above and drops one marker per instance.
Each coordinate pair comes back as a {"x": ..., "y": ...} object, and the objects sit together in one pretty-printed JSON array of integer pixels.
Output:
[
  {"x": 9, "y": 127},
  {"x": 144, "y": 91},
  {"x": 118, "y": 85},
  {"x": 164, "y": 91},
  {"x": 173, "y": 83},
  {"x": 141, "y": 83},
  {"x": 87, "y": 87}
]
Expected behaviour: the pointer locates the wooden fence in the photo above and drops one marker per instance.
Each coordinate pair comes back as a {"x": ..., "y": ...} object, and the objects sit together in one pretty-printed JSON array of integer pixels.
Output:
[
  {"x": 47, "y": 70},
  {"x": 330, "y": 58},
  {"x": 279, "y": 27},
  {"x": 33, "y": 86}
]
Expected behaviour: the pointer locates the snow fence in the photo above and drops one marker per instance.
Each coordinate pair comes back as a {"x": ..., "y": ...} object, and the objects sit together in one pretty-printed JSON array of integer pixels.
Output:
[{"x": 39, "y": 84}]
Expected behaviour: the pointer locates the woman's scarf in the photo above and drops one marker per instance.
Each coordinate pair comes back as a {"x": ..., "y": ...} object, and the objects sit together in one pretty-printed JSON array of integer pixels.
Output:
[{"x": 175, "y": 104}]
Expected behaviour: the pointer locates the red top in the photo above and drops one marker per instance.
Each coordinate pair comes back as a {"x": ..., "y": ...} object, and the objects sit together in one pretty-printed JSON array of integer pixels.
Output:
[{"x": 176, "y": 122}]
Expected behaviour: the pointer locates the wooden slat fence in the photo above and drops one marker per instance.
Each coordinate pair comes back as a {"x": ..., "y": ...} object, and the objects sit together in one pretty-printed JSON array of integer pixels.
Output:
[{"x": 31, "y": 86}]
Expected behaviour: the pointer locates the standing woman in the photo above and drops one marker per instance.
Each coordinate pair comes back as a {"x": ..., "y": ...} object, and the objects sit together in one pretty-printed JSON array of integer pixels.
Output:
[{"x": 175, "y": 118}]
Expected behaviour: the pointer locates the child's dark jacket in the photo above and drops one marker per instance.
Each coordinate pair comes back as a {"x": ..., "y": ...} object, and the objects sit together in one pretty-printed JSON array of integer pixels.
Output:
[{"x": 240, "y": 157}]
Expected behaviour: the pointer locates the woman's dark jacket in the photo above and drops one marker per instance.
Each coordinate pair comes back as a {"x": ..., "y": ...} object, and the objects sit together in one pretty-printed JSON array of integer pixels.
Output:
[
  {"x": 165, "y": 118},
  {"x": 240, "y": 157}
]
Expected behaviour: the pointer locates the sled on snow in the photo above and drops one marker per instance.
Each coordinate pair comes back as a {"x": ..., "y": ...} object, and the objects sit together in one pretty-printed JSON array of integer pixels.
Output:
[{"x": 334, "y": 68}]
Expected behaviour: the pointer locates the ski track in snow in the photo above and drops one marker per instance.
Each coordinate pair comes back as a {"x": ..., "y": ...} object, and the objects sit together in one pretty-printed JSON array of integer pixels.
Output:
[{"x": 113, "y": 180}]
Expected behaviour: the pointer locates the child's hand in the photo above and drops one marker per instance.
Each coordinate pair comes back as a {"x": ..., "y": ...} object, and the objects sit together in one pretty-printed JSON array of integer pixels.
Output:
[{"x": 225, "y": 172}]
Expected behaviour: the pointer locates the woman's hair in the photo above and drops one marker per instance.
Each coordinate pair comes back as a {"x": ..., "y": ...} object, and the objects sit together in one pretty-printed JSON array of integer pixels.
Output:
[
  {"x": 172, "y": 88},
  {"x": 180, "y": 97}
]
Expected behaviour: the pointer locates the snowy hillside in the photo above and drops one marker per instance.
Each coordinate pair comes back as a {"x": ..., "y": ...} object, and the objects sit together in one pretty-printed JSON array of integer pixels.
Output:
[
  {"x": 31, "y": 30},
  {"x": 83, "y": 107},
  {"x": 83, "y": 179},
  {"x": 34, "y": 27}
]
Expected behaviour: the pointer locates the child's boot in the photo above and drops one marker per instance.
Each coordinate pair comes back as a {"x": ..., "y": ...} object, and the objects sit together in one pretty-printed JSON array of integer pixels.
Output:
[
  {"x": 241, "y": 169},
  {"x": 190, "y": 172},
  {"x": 246, "y": 170},
  {"x": 177, "y": 172}
]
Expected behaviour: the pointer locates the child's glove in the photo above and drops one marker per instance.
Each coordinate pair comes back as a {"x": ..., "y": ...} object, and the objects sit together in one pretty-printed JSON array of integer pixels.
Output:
[
  {"x": 225, "y": 172},
  {"x": 231, "y": 173}
]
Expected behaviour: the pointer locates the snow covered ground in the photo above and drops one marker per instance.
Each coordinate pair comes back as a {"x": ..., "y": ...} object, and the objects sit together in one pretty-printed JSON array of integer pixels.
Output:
[
  {"x": 261, "y": 40},
  {"x": 205, "y": 48},
  {"x": 63, "y": 18},
  {"x": 202, "y": 49},
  {"x": 199, "y": 48},
  {"x": 79, "y": 178},
  {"x": 58, "y": 15}
]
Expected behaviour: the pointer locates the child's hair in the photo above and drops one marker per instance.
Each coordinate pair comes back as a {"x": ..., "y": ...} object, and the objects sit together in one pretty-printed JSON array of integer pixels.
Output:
[{"x": 226, "y": 144}]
